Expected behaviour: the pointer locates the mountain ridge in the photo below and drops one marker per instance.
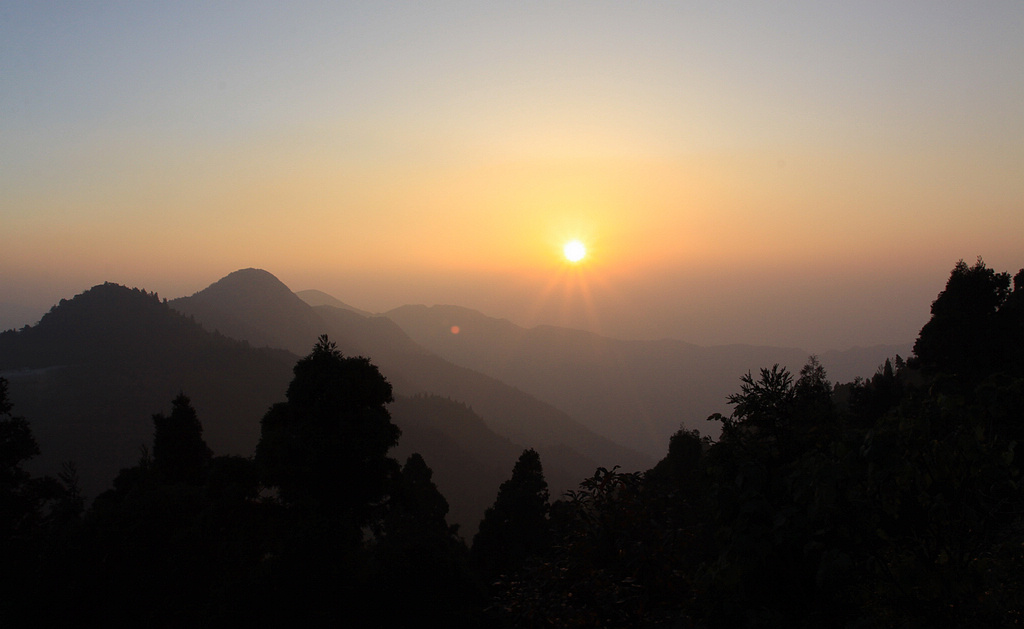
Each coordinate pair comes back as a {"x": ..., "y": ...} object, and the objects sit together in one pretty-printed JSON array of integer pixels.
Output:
[
  {"x": 410, "y": 367},
  {"x": 634, "y": 392},
  {"x": 93, "y": 371}
]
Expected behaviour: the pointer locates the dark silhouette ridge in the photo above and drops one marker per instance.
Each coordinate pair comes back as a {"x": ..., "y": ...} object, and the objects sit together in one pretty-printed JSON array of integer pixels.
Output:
[
  {"x": 15, "y": 316},
  {"x": 94, "y": 368}
]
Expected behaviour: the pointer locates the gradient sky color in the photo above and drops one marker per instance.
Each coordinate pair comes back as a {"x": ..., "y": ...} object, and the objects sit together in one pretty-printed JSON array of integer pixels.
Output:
[{"x": 795, "y": 173}]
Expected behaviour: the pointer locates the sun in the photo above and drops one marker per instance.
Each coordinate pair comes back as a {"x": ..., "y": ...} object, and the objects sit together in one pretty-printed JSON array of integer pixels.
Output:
[{"x": 574, "y": 251}]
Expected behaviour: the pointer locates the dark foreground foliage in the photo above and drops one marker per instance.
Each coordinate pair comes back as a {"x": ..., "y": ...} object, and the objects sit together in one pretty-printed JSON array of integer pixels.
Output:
[{"x": 893, "y": 501}]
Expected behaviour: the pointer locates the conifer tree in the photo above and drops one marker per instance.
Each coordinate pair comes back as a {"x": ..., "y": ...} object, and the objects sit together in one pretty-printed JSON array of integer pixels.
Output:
[
  {"x": 516, "y": 526},
  {"x": 180, "y": 455},
  {"x": 325, "y": 449}
]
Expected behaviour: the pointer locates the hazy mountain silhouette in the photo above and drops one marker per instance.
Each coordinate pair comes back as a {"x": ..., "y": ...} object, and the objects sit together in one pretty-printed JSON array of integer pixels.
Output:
[
  {"x": 510, "y": 412},
  {"x": 319, "y": 298},
  {"x": 91, "y": 374},
  {"x": 253, "y": 305},
  {"x": 635, "y": 392},
  {"x": 236, "y": 306}
]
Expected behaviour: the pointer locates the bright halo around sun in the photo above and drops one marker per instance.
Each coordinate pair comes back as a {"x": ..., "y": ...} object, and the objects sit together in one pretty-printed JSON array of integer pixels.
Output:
[{"x": 574, "y": 251}]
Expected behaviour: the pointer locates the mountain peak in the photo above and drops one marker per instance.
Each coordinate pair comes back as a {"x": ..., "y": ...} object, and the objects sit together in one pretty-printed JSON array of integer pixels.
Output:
[
  {"x": 249, "y": 303},
  {"x": 247, "y": 282},
  {"x": 106, "y": 302},
  {"x": 108, "y": 320}
]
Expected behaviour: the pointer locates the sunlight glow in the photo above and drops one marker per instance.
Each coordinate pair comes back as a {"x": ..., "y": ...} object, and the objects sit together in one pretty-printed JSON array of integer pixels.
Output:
[{"x": 574, "y": 251}]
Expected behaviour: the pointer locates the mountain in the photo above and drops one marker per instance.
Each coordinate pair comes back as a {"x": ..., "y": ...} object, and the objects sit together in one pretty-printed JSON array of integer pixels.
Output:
[
  {"x": 253, "y": 305},
  {"x": 509, "y": 411},
  {"x": 319, "y": 298},
  {"x": 236, "y": 306},
  {"x": 91, "y": 374},
  {"x": 93, "y": 371},
  {"x": 636, "y": 393}
]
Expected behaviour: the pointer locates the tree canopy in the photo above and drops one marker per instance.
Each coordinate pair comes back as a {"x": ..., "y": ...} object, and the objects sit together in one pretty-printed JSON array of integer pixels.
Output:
[
  {"x": 325, "y": 449},
  {"x": 179, "y": 452},
  {"x": 976, "y": 325},
  {"x": 516, "y": 526}
]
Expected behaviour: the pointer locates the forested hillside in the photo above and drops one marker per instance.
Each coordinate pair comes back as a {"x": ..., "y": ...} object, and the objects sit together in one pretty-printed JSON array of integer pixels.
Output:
[
  {"x": 890, "y": 501},
  {"x": 96, "y": 367}
]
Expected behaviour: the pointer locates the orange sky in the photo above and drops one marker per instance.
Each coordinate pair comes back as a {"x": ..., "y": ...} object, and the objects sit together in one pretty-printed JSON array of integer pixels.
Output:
[{"x": 805, "y": 175}]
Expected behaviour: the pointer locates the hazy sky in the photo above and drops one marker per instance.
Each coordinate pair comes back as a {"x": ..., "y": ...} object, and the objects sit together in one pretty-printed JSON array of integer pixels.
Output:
[{"x": 766, "y": 172}]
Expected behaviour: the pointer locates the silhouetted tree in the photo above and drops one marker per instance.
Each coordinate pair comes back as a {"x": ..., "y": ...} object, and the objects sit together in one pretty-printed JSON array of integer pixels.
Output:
[
  {"x": 680, "y": 469},
  {"x": 624, "y": 551},
  {"x": 423, "y": 562},
  {"x": 774, "y": 493},
  {"x": 516, "y": 526},
  {"x": 25, "y": 501},
  {"x": 178, "y": 540},
  {"x": 415, "y": 507},
  {"x": 18, "y": 500},
  {"x": 325, "y": 449},
  {"x": 813, "y": 387},
  {"x": 325, "y": 452},
  {"x": 33, "y": 513},
  {"x": 870, "y": 399},
  {"x": 179, "y": 453},
  {"x": 762, "y": 411},
  {"x": 968, "y": 335}
]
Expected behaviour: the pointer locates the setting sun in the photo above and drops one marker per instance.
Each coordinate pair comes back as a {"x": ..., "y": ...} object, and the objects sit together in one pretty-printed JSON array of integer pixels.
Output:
[{"x": 574, "y": 251}]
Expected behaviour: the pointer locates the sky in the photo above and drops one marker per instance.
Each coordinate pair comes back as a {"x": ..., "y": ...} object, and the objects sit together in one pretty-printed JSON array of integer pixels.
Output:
[{"x": 786, "y": 173}]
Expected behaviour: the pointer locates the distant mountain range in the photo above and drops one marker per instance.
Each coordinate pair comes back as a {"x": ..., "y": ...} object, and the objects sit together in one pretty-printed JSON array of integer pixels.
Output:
[
  {"x": 469, "y": 398},
  {"x": 637, "y": 393},
  {"x": 90, "y": 375},
  {"x": 255, "y": 306}
]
